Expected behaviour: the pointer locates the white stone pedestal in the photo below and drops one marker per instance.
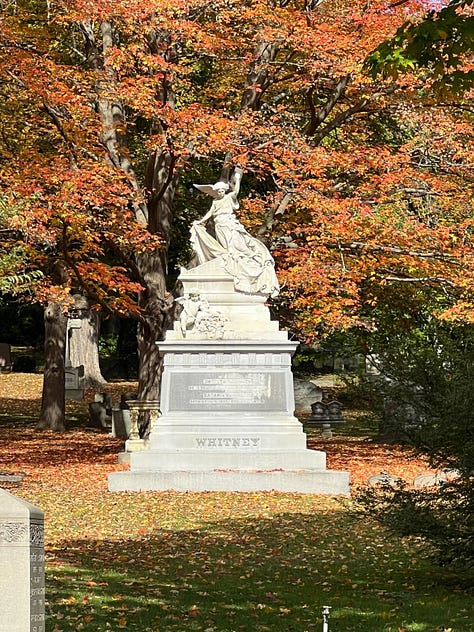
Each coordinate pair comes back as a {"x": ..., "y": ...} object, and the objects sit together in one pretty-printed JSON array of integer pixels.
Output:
[
  {"x": 227, "y": 407},
  {"x": 22, "y": 607}
]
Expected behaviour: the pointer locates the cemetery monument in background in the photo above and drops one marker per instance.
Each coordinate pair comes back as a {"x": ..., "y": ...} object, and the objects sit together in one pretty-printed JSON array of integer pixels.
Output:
[{"x": 227, "y": 402}]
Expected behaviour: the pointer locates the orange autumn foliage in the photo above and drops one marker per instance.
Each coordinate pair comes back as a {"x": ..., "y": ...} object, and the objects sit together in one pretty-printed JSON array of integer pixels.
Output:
[{"x": 351, "y": 181}]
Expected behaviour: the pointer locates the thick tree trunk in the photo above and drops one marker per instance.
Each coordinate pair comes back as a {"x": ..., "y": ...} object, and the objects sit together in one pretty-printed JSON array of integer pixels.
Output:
[
  {"x": 84, "y": 344},
  {"x": 260, "y": 75},
  {"x": 53, "y": 413},
  {"x": 157, "y": 319},
  {"x": 155, "y": 300}
]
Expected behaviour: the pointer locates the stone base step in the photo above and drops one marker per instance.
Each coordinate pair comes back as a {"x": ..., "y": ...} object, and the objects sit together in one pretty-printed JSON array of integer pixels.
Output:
[
  {"x": 205, "y": 460},
  {"x": 305, "y": 481}
]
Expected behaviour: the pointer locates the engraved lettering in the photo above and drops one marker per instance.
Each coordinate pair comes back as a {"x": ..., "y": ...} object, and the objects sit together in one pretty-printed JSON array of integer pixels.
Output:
[
  {"x": 37, "y": 617},
  {"x": 227, "y": 442},
  {"x": 228, "y": 391}
]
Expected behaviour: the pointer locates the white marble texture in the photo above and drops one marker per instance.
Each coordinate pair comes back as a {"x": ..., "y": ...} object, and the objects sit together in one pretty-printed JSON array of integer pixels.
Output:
[
  {"x": 227, "y": 406},
  {"x": 22, "y": 606}
]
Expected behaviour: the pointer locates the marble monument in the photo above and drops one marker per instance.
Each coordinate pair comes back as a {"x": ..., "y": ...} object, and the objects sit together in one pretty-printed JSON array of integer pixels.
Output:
[
  {"x": 227, "y": 402},
  {"x": 22, "y": 605}
]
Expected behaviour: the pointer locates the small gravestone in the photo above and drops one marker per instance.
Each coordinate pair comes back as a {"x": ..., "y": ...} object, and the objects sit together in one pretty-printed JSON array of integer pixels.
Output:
[
  {"x": 325, "y": 415},
  {"x": 22, "y": 565},
  {"x": 121, "y": 423},
  {"x": 306, "y": 393},
  {"x": 98, "y": 415},
  {"x": 429, "y": 480},
  {"x": 385, "y": 480},
  {"x": 73, "y": 381},
  {"x": 106, "y": 400},
  {"x": 100, "y": 410},
  {"x": 11, "y": 477}
]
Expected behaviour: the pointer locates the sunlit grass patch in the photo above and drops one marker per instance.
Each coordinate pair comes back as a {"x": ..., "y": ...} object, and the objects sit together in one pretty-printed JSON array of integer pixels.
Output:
[{"x": 271, "y": 565}]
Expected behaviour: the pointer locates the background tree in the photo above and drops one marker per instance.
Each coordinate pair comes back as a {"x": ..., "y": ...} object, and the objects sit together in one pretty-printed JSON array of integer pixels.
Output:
[
  {"x": 83, "y": 343},
  {"x": 350, "y": 180},
  {"x": 440, "y": 42},
  {"x": 423, "y": 396},
  {"x": 424, "y": 392}
]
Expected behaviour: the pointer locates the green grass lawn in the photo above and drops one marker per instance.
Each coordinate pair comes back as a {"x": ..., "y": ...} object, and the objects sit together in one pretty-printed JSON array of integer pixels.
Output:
[
  {"x": 225, "y": 562},
  {"x": 219, "y": 562}
]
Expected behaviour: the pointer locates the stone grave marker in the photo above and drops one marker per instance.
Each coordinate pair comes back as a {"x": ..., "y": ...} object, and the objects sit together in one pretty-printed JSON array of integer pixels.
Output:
[
  {"x": 306, "y": 393},
  {"x": 429, "y": 480},
  {"x": 121, "y": 423},
  {"x": 5, "y": 357},
  {"x": 72, "y": 382},
  {"x": 384, "y": 480},
  {"x": 227, "y": 397},
  {"x": 22, "y": 565}
]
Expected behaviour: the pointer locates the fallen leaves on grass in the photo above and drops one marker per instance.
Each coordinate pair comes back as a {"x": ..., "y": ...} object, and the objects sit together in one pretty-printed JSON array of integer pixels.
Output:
[{"x": 215, "y": 562}]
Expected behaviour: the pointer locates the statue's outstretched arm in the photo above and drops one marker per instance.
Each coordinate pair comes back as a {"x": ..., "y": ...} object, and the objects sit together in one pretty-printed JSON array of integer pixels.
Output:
[{"x": 235, "y": 182}]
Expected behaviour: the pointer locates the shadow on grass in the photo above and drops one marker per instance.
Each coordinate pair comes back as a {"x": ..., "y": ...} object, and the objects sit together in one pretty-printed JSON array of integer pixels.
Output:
[{"x": 255, "y": 574}]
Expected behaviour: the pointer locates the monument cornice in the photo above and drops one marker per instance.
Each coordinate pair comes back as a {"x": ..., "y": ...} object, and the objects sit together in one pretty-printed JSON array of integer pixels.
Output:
[{"x": 226, "y": 346}]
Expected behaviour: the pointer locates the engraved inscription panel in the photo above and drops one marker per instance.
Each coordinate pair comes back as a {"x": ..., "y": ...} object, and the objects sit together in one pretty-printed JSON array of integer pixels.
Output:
[
  {"x": 227, "y": 391},
  {"x": 37, "y": 577}
]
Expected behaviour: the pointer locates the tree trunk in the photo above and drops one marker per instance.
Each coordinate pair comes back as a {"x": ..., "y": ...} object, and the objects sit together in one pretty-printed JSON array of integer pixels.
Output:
[
  {"x": 157, "y": 303},
  {"x": 53, "y": 409},
  {"x": 84, "y": 343},
  {"x": 158, "y": 317}
]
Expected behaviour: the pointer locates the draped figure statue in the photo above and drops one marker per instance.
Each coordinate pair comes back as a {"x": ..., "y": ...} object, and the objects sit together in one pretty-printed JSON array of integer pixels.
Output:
[{"x": 245, "y": 258}]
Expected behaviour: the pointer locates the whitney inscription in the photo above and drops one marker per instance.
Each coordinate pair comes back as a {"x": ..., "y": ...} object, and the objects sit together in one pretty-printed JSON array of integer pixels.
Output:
[{"x": 228, "y": 442}]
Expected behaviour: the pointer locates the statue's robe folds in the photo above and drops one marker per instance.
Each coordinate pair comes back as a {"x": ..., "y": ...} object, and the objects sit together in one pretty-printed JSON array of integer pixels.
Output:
[{"x": 245, "y": 258}]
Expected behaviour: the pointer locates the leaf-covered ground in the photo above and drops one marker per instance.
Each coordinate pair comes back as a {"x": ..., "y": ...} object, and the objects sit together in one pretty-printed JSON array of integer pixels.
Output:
[{"x": 216, "y": 562}]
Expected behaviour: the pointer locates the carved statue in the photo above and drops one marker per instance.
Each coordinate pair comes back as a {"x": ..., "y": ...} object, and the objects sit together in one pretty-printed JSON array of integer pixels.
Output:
[
  {"x": 246, "y": 258},
  {"x": 192, "y": 305},
  {"x": 198, "y": 315}
]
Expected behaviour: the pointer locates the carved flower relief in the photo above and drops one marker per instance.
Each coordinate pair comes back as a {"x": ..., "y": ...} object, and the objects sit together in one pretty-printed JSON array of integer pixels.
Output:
[
  {"x": 212, "y": 324},
  {"x": 13, "y": 532}
]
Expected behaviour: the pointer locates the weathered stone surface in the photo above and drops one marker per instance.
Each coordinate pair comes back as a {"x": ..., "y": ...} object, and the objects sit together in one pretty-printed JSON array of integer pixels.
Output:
[
  {"x": 429, "y": 480},
  {"x": 301, "y": 481},
  {"x": 22, "y": 565},
  {"x": 227, "y": 423},
  {"x": 121, "y": 423},
  {"x": 306, "y": 393},
  {"x": 385, "y": 480}
]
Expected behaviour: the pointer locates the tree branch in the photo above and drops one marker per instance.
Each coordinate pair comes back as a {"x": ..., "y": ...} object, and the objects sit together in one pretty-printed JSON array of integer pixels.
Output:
[
  {"x": 318, "y": 116},
  {"x": 278, "y": 209},
  {"x": 437, "y": 280},
  {"x": 359, "y": 246},
  {"x": 340, "y": 119}
]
